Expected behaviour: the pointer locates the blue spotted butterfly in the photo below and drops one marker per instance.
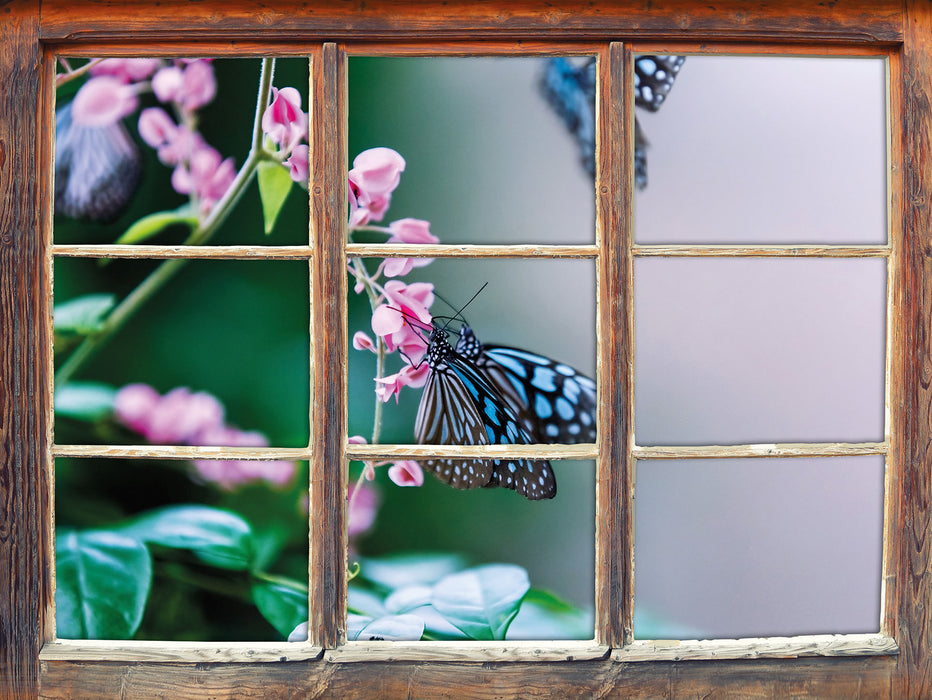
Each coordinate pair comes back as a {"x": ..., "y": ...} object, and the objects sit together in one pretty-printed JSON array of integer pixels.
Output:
[
  {"x": 555, "y": 403},
  {"x": 570, "y": 90},
  {"x": 461, "y": 406},
  {"x": 96, "y": 168}
]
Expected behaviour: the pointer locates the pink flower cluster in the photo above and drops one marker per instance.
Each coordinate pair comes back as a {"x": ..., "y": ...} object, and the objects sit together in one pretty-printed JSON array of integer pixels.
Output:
[
  {"x": 285, "y": 125},
  {"x": 402, "y": 314},
  {"x": 199, "y": 169},
  {"x": 183, "y": 417},
  {"x": 186, "y": 85}
]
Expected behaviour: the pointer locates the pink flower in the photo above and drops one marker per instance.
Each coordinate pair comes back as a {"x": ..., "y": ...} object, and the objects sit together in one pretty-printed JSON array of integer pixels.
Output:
[
  {"x": 361, "y": 341},
  {"x": 103, "y": 101},
  {"x": 410, "y": 375},
  {"x": 175, "y": 143},
  {"x": 185, "y": 418},
  {"x": 127, "y": 70},
  {"x": 206, "y": 175},
  {"x": 191, "y": 88},
  {"x": 180, "y": 416},
  {"x": 375, "y": 175},
  {"x": 411, "y": 231},
  {"x": 407, "y": 231},
  {"x": 365, "y": 505},
  {"x": 406, "y": 473},
  {"x": 405, "y": 311},
  {"x": 299, "y": 163},
  {"x": 133, "y": 405},
  {"x": 167, "y": 83},
  {"x": 283, "y": 120}
]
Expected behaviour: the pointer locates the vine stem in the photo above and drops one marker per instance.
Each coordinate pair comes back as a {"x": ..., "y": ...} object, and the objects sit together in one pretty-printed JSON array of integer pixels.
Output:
[{"x": 168, "y": 269}]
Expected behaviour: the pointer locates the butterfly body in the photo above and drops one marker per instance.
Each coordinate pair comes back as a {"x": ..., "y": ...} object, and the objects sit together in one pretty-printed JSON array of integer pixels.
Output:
[
  {"x": 460, "y": 406},
  {"x": 96, "y": 168}
]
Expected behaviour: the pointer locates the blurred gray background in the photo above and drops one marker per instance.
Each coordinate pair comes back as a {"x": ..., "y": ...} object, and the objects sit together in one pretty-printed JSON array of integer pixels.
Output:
[{"x": 745, "y": 150}]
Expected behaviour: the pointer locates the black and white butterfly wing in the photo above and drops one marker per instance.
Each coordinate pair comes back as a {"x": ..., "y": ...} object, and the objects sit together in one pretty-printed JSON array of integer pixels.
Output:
[
  {"x": 555, "y": 403},
  {"x": 653, "y": 78},
  {"x": 96, "y": 168},
  {"x": 459, "y": 406},
  {"x": 570, "y": 90},
  {"x": 448, "y": 416}
]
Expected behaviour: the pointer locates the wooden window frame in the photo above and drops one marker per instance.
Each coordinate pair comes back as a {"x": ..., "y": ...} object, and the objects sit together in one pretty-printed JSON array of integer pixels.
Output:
[{"x": 894, "y": 663}]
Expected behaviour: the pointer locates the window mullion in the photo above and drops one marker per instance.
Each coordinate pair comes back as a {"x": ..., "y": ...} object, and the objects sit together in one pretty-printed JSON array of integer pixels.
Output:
[
  {"x": 327, "y": 137},
  {"x": 615, "y": 476}
]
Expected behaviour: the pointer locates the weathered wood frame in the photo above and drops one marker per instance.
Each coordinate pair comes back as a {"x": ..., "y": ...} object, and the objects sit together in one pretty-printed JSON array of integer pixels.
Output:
[{"x": 849, "y": 666}]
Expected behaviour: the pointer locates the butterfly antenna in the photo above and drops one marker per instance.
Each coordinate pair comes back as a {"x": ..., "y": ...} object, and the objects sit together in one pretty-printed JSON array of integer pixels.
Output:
[{"x": 458, "y": 313}]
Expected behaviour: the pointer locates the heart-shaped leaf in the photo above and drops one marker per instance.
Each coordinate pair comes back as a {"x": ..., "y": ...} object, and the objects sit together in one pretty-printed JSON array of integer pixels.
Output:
[
  {"x": 102, "y": 584},
  {"x": 217, "y": 537},
  {"x": 283, "y": 606},
  {"x": 410, "y": 568},
  {"x": 274, "y": 185},
  {"x": 482, "y": 601},
  {"x": 88, "y": 401},
  {"x": 394, "y": 628},
  {"x": 153, "y": 224},
  {"x": 83, "y": 315}
]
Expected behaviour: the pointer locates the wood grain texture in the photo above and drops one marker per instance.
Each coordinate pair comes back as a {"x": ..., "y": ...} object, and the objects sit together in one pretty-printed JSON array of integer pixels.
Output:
[
  {"x": 758, "y": 648},
  {"x": 843, "y": 21},
  {"x": 329, "y": 347},
  {"x": 760, "y": 251},
  {"x": 615, "y": 353},
  {"x": 178, "y": 652},
  {"x": 839, "y": 677},
  {"x": 467, "y": 651},
  {"x": 910, "y": 528},
  {"x": 24, "y": 492}
]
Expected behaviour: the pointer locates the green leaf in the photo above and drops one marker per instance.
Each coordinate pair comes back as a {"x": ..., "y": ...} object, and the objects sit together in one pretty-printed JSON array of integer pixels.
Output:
[
  {"x": 83, "y": 315},
  {"x": 394, "y": 628},
  {"x": 153, "y": 224},
  {"x": 544, "y": 616},
  {"x": 217, "y": 537},
  {"x": 102, "y": 584},
  {"x": 274, "y": 185},
  {"x": 410, "y": 568},
  {"x": 283, "y": 606},
  {"x": 87, "y": 401},
  {"x": 482, "y": 601}
]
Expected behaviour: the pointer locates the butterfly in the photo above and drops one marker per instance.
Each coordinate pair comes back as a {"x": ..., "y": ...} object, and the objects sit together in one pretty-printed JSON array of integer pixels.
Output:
[
  {"x": 570, "y": 90},
  {"x": 555, "y": 403},
  {"x": 461, "y": 406},
  {"x": 96, "y": 168}
]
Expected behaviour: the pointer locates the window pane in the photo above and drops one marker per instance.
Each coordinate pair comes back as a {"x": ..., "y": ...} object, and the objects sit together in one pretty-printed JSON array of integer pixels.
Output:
[
  {"x": 415, "y": 545},
  {"x": 179, "y": 550},
  {"x": 222, "y": 344},
  {"x": 767, "y": 150},
  {"x": 758, "y": 547},
  {"x": 759, "y": 350},
  {"x": 544, "y": 307},
  {"x": 488, "y": 158},
  {"x": 146, "y": 149}
]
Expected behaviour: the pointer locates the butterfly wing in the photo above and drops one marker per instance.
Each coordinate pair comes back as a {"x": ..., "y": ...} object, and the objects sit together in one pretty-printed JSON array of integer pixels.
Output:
[
  {"x": 570, "y": 90},
  {"x": 653, "y": 78},
  {"x": 96, "y": 168},
  {"x": 560, "y": 400},
  {"x": 459, "y": 406}
]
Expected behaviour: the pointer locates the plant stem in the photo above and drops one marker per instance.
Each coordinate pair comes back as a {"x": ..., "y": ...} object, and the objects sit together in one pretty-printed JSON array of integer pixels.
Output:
[
  {"x": 363, "y": 276},
  {"x": 76, "y": 73},
  {"x": 168, "y": 269},
  {"x": 284, "y": 581}
]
